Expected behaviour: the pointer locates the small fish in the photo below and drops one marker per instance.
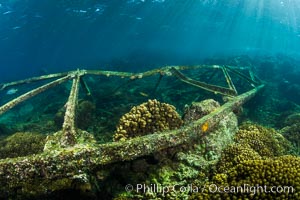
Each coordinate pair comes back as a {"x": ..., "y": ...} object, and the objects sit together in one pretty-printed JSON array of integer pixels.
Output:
[
  {"x": 16, "y": 27},
  {"x": 12, "y": 91},
  {"x": 79, "y": 11},
  {"x": 144, "y": 94},
  {"x": 7, "y": 12}
]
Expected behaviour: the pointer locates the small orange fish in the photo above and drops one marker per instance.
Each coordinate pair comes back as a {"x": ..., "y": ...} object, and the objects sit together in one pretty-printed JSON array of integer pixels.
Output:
[{"x": 204, "y": 127}]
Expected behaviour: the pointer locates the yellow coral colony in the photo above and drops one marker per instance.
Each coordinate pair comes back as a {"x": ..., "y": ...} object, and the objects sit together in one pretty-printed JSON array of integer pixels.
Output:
[{"x": 147, "y": 118}]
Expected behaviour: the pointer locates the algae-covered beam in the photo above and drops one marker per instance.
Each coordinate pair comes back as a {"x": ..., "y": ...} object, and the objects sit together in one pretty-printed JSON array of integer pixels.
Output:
[
  {"x": 137, "y": 147},
  {"x": 157, "y": 83},
  {"x": 69, "y": 131},
  {"x": 30, "y": 94},
  {"x": 229, "y": 80},
  {"x": 85, "y": 158},
  {"x": 109, "y": 73},
  {"x": 33, "y": 79},
  {"x": 248, "y": 79},
  {"x": 205, "y": 86},
  {"x": 168, "y": 71},
  {"x": 163, "y": 70},
  {"x": 85, "y": 86}
]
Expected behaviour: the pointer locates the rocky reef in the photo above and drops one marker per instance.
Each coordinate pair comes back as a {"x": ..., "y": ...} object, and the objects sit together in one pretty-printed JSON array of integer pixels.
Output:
[
  {"x": 86, "y": 115},
  {"x": 227, "y": 157},
  {"x": 21, "y": 144},
  {"x": 205, "y": 147},
  {"x": 167, "y": 155},
  {"x": 153, "y": 145},
  {"x": 182, "y": 165},
  {"x": 276, "y": 178},
  {"x": 253, "y": 142},
  {"x": 291, "y": 131},
  {"x": 258, "y": 157}
]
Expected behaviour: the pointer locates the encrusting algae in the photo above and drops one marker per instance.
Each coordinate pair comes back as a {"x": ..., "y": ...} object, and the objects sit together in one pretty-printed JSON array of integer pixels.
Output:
[
  {"x": 292, "y": 131},
  {"x": 21, "y": 144}
]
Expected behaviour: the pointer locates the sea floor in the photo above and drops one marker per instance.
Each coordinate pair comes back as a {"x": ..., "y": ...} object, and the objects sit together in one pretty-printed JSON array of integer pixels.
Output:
[{"x": 256, "y": 145}]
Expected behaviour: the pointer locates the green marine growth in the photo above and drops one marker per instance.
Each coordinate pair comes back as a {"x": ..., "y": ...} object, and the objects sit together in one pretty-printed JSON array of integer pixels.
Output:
[
  {"x": 252, "y": 142},
  {"x": 279, "y": 178},
  {"x": 266, "y": 141},
  {"x": 85, "y": 114},
  {"x": 292, "y": 131},
  {"x": 147, "y": 118},
  {"x": 84, "y": 117},
  {"x": 182, "y": 165},
  {"x": 21, "y": 144},
  {"x": 258, "y": 158}
]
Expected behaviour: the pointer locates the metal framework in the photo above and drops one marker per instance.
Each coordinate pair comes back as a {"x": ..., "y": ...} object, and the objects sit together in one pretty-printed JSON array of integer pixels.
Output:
[{"x": 91, "y": 155}]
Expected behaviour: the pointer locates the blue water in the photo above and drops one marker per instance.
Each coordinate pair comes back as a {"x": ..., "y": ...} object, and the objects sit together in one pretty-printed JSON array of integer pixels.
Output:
[{"x": 40, "y": 36}]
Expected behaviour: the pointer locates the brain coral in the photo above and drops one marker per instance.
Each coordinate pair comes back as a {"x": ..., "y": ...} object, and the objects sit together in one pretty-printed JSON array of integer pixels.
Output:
[{"x": 147, "y": 118}]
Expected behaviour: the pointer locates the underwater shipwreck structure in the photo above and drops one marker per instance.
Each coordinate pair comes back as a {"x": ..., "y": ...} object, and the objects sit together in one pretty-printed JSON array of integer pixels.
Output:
[{"x": 71, "y": 153}]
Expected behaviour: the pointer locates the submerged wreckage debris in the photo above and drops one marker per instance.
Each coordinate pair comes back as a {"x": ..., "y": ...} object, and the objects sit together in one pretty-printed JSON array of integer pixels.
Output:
[{"x": 72, "y": 155}]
